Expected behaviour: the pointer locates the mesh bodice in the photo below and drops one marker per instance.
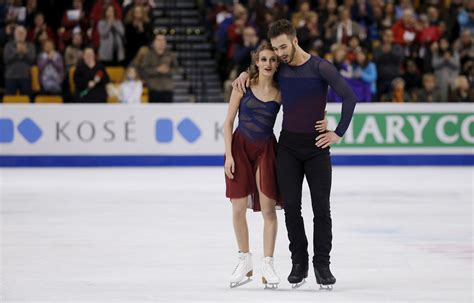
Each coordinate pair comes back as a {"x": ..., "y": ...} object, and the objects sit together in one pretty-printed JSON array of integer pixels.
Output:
[{"x": 256, "y": 117}]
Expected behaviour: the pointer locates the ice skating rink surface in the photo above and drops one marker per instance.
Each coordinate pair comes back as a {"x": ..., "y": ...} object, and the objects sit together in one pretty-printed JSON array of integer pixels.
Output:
[{"x": 165, "y": 235}]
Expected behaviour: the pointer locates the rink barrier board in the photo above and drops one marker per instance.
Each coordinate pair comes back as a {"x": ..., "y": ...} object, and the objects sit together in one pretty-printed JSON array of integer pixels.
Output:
[
  {"x": 133, "y": 161},
  {"x": 74, "y": 135}
]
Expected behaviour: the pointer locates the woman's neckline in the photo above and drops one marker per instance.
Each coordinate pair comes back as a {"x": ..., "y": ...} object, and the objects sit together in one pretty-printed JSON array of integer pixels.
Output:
[{"x": 258, "y": 99}]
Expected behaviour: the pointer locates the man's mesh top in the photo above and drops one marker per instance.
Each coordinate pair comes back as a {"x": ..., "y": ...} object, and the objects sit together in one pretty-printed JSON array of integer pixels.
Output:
[{"x": 304, "y": 89}]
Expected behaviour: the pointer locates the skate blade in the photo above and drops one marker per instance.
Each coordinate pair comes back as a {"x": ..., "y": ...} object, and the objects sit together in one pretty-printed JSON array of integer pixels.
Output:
[
  {"x": 325, "y": 287},
  {"x": 238, "y": 284},
  {"x": 298, "y": 285},
  {"x": 269, "y": 285}
]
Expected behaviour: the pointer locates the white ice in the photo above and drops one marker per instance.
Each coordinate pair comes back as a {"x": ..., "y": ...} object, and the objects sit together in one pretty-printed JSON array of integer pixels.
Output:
[{"x": 165, "y": 235}]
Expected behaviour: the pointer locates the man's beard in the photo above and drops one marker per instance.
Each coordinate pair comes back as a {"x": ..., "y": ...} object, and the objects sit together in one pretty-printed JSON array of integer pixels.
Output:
[{"x": 293, "y": 52}]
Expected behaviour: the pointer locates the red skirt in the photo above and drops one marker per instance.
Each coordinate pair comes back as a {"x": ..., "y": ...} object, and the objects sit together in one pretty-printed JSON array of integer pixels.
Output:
[{"x": 248, "y": 156}]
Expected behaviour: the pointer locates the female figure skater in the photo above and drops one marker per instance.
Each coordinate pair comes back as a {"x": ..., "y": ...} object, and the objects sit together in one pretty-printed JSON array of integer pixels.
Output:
[{"x": 250, "y": 163}]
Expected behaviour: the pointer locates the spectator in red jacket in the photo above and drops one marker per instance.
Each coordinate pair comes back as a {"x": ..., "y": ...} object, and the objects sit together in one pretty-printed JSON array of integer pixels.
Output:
[
  {"x": 405, "y": 31},
  {"x": 431, "y": 30},
  {"x": 40, "y": 32},
  {"x": 72, "y": 19}
]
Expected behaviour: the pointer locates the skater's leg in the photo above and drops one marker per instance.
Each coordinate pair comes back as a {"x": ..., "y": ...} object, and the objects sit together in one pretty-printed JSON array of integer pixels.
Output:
[
  {"x": 270, "y": 227},
  {"x": 244, "y": 268},
  {"x": 270, "y": 222},
  {"x": 290, "y": 181},
  {"x": 239, "y": 219},
  {"x": 318, "y": 172}
]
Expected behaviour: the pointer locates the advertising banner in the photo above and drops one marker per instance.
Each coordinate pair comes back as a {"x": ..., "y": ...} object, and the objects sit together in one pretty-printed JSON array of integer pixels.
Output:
[{"x": 192, "y": 134}]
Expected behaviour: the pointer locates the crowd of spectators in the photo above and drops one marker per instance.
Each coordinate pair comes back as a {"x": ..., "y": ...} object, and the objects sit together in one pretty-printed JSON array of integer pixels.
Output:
[
  {"x": 75, "y": 44},
  {"x": 392, "y": 51}
]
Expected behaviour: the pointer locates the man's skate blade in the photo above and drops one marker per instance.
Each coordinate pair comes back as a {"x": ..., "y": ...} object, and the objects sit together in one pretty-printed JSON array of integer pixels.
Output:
[
  {"x": 238, "y": 284},
  {"x": 325, "y": 287},
  {"x": 298, "y": 285}
]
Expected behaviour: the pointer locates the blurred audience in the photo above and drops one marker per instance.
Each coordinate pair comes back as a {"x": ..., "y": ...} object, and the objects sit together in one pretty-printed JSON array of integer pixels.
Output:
[
  {"x": 159, "y": 66},
  {"x": 394, "y": 51},
  {"x": 19, "y": 56}
]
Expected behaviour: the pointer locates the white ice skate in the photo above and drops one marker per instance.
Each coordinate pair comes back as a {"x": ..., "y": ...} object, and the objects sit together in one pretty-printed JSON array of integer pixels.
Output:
[
  {"x": 269, "y": 276},
  {"x": 244, "y": 268}
]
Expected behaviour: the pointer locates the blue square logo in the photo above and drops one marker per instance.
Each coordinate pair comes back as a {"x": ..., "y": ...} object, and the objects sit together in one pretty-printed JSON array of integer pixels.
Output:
[
  {"x": 6, "y": 131},
  {"x": 30, "y": 130},
  {"x": 189, "y": 130},
  {"x": 164, "y": 131}
]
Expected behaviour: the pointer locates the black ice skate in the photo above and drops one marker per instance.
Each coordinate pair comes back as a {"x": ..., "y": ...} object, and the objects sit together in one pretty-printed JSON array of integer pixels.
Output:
[
  {"x": 324, "y": 277},
  {"x": 298, "y": 275}
]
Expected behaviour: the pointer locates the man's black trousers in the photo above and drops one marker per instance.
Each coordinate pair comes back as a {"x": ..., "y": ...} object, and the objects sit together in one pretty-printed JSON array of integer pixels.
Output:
[{"x": 299, "y": 157}]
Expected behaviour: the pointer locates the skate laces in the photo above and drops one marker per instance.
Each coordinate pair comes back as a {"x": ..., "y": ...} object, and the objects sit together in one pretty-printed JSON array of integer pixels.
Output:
[
  {"x": 240, "y": 263},
  {"x": 269, "y": 265}
]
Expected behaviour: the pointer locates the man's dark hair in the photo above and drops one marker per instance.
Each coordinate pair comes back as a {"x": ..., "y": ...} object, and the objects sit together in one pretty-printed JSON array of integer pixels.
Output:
[
  {"x": 89, "y": 46},
  {"x": 281, "y": 27}
]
